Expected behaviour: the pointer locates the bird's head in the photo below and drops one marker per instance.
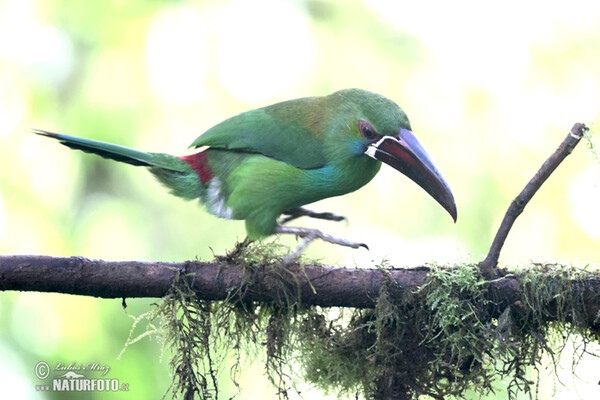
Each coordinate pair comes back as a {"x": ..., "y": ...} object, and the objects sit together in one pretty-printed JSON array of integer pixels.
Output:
[{"x": 381, "y": 130}]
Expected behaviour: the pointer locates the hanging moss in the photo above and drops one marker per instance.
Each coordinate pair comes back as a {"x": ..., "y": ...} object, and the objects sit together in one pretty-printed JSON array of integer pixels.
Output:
[
  {"x": 202, "y": 334},
  {"x": 441, "y": 340}
]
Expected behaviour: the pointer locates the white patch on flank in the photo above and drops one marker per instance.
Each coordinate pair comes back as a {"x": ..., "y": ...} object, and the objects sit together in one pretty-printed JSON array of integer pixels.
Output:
[{"x": 215, "y": 203}]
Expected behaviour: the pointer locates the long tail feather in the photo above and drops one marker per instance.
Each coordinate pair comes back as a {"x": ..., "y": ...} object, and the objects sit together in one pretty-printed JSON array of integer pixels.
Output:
[{"x": 112, "y": 151}]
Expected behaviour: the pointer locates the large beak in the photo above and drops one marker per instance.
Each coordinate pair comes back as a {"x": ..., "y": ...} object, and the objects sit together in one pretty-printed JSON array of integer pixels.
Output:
[{"x": 405, "y": 153}]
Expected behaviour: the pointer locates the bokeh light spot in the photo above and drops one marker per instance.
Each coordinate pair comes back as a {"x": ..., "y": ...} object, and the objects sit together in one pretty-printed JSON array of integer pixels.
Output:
[
  {"x": 585, "y": 198},
  {"x": 175, "y": 55},
  {"x": 263, "y": 55}
]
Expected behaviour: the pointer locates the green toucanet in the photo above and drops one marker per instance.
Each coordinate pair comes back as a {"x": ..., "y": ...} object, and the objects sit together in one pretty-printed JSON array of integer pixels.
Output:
[{"x": 273, "y": 160}]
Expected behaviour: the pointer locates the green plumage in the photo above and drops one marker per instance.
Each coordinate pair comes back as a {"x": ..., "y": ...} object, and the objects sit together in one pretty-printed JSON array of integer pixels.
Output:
[
  {"x": 263, "y": 162},
  {"x": 294, "y": 153}
]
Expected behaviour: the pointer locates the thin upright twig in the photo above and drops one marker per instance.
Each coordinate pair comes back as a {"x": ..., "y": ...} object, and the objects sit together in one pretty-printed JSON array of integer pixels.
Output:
[{"x": 515, "y": 209}]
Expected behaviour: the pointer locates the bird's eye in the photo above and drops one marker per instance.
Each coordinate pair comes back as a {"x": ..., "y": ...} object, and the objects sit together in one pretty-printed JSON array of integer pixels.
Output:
[{"x": 367, "y": 131}]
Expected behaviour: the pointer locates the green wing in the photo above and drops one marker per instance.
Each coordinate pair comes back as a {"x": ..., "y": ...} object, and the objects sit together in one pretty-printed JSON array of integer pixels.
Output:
[{"x": 285, "y": 131}]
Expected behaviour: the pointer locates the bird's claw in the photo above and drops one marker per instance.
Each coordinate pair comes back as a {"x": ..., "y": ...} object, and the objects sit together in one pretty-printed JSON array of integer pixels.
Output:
[{"x": 309, "y": 235}]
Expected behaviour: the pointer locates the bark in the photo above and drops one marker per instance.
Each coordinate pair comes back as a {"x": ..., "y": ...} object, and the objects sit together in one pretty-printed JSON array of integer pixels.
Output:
[{"x": 333, "y": 287}]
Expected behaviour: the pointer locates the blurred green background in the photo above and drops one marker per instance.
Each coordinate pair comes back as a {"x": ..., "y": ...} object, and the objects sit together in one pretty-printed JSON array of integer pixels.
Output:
[{"x": 491, "y": 90}]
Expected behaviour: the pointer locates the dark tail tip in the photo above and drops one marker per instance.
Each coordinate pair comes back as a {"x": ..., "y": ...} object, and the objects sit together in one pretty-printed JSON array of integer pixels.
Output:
[{"x": 45, "y": 133}]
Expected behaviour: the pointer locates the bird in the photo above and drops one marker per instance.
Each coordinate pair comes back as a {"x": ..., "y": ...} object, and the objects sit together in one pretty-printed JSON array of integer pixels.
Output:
[{"x": 264, "y": 165}]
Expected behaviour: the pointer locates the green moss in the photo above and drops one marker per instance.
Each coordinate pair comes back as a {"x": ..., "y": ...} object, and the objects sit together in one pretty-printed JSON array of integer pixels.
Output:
[
  {"x": 445, "y": 338},
  {"x": 588, "y": 135},
  {"x": 449, "y": 337}
]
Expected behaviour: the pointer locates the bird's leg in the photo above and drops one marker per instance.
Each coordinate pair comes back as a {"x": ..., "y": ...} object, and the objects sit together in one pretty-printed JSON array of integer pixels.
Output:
[
  {"x": 309, "y": 235},
  {"x": 304, "y": 212},
  {"x": 296, "y": 253}
]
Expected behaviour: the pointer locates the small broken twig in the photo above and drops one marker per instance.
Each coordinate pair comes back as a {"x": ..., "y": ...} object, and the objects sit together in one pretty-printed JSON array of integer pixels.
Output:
[{"x": 488, "y": 266}]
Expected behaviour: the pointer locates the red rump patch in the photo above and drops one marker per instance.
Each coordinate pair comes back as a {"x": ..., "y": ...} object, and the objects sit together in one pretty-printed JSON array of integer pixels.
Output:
[{"x": 199, "y": 163}]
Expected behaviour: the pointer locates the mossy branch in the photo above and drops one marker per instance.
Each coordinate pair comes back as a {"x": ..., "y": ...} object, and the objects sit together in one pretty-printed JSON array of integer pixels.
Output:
[
  {"x": 402, "y": 333},
  {"x": 333, "y": 286},
  {"x": 213, "y": 281}
]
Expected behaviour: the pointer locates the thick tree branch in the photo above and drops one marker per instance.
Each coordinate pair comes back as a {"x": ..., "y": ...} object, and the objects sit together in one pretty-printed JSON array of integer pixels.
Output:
[
  {"x": 333, "y": 287},
  {"x": 79, "y": 275},
  {"x": 213, "y": 281},
  {"x": 515, "y": 209}
]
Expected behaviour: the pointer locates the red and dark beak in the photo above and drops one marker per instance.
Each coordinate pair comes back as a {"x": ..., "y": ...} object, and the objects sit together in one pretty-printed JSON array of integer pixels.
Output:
[{"x": 405, "y": 153}]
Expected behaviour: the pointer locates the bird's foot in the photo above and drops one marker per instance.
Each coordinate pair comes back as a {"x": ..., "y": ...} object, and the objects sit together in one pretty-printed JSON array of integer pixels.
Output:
[
  {"x": 309, "y": 235},
  {"x": 304, "y": 212}
]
